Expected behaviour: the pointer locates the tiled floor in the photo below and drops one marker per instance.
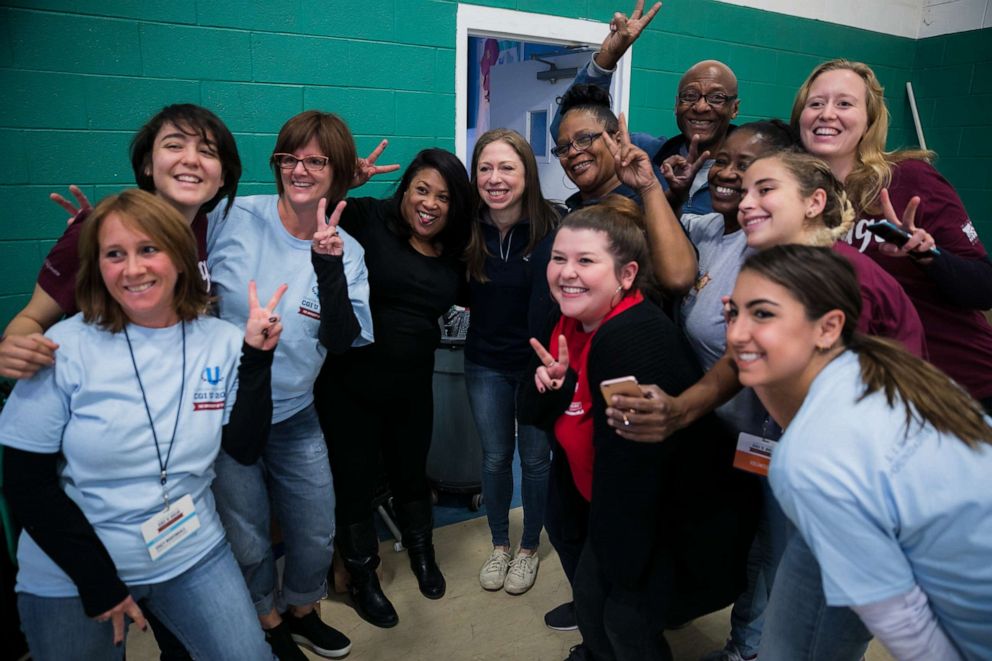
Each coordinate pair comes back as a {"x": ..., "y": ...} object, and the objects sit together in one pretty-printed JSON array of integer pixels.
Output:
[{"x": 470, "y": 624}]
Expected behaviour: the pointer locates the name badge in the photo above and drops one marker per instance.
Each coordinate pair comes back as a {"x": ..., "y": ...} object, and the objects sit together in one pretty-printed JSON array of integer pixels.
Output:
[
  {"x": 170, "y": 527},
  {"x": 753, "y": 453}
]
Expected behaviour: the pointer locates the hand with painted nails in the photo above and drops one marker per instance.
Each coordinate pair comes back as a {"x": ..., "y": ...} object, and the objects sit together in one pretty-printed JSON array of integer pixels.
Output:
[
  {"x": 680, "y": 171},
  {"x": 551, "y": 373},
  {"x": 633, "y": 165},
  {"x": 116, "y": 615},
  {"x": 624, "y": 31},
  {"x": 327, "y": 240},
  {"x": 263, "y": 327},
  {"x": 82, "y": 204},
  {"x": 650, "y": 418},
  {"x": 365, "y": 168},
  {"x": 920, "y": 241}
]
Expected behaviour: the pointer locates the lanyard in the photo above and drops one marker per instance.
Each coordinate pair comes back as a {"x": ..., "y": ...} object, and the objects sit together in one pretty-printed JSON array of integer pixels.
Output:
[{"x": 162, "y": 466}]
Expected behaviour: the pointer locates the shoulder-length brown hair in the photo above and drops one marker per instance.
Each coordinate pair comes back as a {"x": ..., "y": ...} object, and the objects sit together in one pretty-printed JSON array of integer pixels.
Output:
[
  {"x": 873, "y": 170},
  {"x": 167, "y": 229},
  {"x": 539, "y": 213},
  {"x": 335, "y": 140}
]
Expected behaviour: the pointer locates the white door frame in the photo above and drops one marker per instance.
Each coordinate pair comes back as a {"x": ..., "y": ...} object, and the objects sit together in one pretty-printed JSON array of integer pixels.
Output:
[{"x": 477, "y": 21}]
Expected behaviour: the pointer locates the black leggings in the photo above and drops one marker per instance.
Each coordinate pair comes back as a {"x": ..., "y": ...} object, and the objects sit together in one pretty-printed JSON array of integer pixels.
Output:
[{"x": 367, "y": 413}]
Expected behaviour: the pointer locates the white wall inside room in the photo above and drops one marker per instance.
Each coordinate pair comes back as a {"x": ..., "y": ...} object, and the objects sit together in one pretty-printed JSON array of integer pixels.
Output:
[{"x": 916, "y": 19}]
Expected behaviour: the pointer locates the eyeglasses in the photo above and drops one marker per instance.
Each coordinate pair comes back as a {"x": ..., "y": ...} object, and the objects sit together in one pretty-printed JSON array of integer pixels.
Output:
[
  {"x": 715, "y": 99},
  {"x": 310, "y": 163},
  {"x": 580, "y": 143}
]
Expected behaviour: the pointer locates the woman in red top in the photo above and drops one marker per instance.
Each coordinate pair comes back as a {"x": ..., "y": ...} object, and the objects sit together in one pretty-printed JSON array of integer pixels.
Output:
[{"x": 653, "y": 554}]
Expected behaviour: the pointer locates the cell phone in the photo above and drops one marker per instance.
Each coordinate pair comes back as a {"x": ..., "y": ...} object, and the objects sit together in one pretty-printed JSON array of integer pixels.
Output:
[
  {"x": 894, "y": 234},
  {"x": 625, "y": 385}
]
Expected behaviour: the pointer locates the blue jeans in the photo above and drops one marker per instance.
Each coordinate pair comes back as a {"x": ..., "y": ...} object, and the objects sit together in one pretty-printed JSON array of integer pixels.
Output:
[
  {"x": 799, "y": 626},
  {"x": 295, "y": 477},
  {"x": 492, "y": 395},
  {"x": 748, "y": 615},
  {"x": 207, "y": 608}
]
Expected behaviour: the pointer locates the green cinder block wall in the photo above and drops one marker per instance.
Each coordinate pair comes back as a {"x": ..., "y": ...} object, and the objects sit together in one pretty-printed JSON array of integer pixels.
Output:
[{"x": 79, "y": 76}]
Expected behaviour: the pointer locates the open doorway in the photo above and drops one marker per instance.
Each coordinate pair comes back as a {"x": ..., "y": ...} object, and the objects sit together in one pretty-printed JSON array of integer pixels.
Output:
[{"x": 511, "y": 67}]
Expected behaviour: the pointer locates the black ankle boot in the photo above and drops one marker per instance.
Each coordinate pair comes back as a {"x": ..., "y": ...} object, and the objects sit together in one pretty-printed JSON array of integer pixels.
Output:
[
  {"x": 417, "y": 523},
  {"x": 359, "y": 547}
]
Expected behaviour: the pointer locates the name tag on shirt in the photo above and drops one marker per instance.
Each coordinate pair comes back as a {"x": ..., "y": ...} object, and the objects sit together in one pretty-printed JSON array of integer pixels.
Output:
[
  {"x": 754, "y": 453},
  {"x": 170, "y": 527}
]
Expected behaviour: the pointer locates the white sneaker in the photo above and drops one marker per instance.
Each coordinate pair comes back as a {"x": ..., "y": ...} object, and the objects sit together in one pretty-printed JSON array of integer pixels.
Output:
[
  {"x": 493, "y": 573},
  {"x": 523, "y": 572}
]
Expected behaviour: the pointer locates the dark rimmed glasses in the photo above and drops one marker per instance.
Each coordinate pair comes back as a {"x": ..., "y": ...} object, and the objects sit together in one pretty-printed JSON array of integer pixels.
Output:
[
  {"x": 310, "y": 163},
  {"x": 715, "y": 99},
  {"x": 580, "y": 143}
]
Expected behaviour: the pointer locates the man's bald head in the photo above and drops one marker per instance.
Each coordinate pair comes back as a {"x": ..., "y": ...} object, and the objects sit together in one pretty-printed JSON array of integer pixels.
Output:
[{"x": 707, "y": 118}]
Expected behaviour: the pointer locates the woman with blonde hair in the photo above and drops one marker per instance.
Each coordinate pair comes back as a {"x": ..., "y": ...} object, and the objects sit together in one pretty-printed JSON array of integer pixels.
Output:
[
  {"x": 873, "y": 436},
  {"x": 841, "y": 117},
  {"x": 511, "y": 218}
]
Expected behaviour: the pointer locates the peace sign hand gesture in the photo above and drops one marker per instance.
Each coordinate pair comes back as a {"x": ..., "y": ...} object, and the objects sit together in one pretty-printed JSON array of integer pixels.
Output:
[
  {"x": 263, "y": 327},
  {"x": 82, "y": 202},
  {"x": 680, "y": 171},
  {"x": 326, "y": 240},
  {"x": 551, "y": 373},
  {"x": 632, "y": 163},
  {"x": 624, "y": 31},
  {"x": 365, "y": 168},
  {"x": 920, "y": 243}
]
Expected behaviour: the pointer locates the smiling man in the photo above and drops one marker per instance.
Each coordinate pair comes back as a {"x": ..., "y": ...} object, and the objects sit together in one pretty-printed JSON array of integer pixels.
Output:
[{"x": 705, "y": 103}]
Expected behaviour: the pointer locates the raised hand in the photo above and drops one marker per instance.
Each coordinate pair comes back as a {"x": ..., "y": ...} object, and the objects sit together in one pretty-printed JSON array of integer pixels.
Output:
[
  {"x": 680, "y": 171},
  {"x": 551, "y": 373},
  {"x": 920, "y": 241},
  {"x": 23, "y": 355},
  {"x": 365, "y": 168},
  {"x": 82, "y": 202},
  {"x": 624, "y": 31},
  {"x": 632, "y": 163},
  {"x": 648, "y": 419},
  {"x": 263, "y": 327},
  {"x": 326, "y": 240},
  {"x": 116, "y": 616}
]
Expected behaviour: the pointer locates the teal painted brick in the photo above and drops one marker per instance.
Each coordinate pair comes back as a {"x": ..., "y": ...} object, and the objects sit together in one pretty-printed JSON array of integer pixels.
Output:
[
  {"x": 975, "y": 112},
  {"x": 759, "y": 65},
  {"x": 426, "y": 22},
  {"x": 34, "y": 98},
  {"x": 14, "y": 146},
  {"x": 793, "y": 68},
  {"x": 976, "y": 142},
  {"x": 171, "y": 12},
  {"x": 740, "y": 25},
  {"x": 366, "y": 111},
  {"x": 30, "y": 214},
  {"x": 981, "y": 82},
  {"x": 257, "y": 188},
  {"x": 117, "y": 102},
  {"x": 658, "y": 51},
  {"x": 11, "y": 305},
  {"x": 355, "y": 19},
  {"x": 189, "y": 52},
  {"x": 974, "y": 46},
  {"x": 74, "y": 43},
  {"x": 569, "y": 8},
  {"x": 6, "y": 40},
  {"x": 944, "y": 141},
  {"x": 500, "y": 4},
  {"x": 252, "y": 107},
  {"x": 271, "y": 15},
  {"x": 929, "y": 52},
  {"x": 377, "y": 189},
  {"x": 314, "y": 60},
  {"x": 690, "y": 50},
  {"x": 255, "y": 150},
  {"x": 446, "y": 143},
  {"x": 392, "y": 66},
  {"x": 877, "y": 48},
  {"x": 81, "y": 157},
  {"x": 652, "y": 121},
  {"x": 653, "y": 88},
  {"x": 954, "y": 80},
  {"x": 444, "y": 70},
  {"x": 966, "y": 172},
  {"x": 19, "y": 262},
  {"x": 425, "y": 114},
  {"x": 784, "y": 33},
  {"x": 764, "y": 100},
  {"x": 401, "y": 149}
]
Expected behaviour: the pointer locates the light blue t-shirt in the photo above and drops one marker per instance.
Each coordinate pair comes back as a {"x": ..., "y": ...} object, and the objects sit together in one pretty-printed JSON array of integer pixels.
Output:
[
  {"x": 89, "y": 407},
  {"x": 883, "y": 511},
  {"x": 701, "y": 310},
  {"x": 250, "y": 243}
]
